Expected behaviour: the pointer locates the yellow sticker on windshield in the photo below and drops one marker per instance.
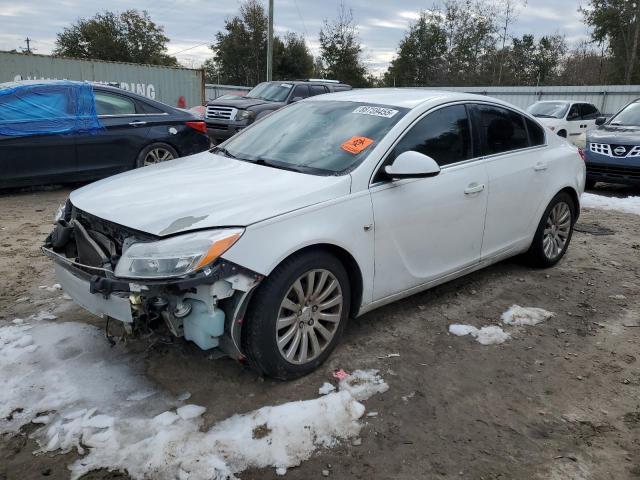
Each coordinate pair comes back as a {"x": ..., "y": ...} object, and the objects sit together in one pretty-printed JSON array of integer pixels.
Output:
[{"x": 356, "y": 144}]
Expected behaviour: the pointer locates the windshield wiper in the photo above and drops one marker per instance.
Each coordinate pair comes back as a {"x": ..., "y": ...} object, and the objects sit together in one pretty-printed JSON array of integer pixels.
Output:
[
  {"x": 272, "y": 164},
  {"x": 224, "y": 151}
]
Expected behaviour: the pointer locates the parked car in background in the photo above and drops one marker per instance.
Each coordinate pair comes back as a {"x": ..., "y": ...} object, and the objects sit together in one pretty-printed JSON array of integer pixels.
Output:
[
  {"x": 44, "y": 136},
  {"x": 322, "y": 211},
  {"x": 567, "y": 119},
  {"x": 227, "y": 115},
  {"x": 612, "y": 151}
]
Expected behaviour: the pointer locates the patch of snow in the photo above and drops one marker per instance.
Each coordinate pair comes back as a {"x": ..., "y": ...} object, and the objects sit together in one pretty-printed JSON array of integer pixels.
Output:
[
  {"x": 86, "y": 396},
  {"x": 52, "y": 288},
  {"x": 517, "y": 315},
  {"x": 618, "y": 296},
  {"x": 326, "y": 388},
  {"x": 490, "y": 335},
  {"x": 627, "y": 204}
]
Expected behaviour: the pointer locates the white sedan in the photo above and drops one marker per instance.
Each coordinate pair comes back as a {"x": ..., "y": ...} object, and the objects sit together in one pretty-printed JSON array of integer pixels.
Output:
[{"x": 322, "y": 211}]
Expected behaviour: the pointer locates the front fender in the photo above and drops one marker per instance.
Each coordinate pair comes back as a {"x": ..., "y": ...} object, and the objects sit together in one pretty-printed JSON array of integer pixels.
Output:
[{"x": 345, "y": 222}]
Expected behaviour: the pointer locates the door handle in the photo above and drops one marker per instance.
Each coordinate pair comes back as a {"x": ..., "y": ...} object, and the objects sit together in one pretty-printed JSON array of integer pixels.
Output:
[
  {"x": 539, "y": 167},
  {"x": 473, "y": 188},
  {"x": 137, "y": 123}
]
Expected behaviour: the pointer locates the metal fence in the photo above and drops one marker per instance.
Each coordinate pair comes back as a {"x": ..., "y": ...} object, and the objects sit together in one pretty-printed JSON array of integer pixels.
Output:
[
  {"x": 608, "y": 98},
  {"x": 166, "y": 84},
  {"x": 212, "y": 91}
]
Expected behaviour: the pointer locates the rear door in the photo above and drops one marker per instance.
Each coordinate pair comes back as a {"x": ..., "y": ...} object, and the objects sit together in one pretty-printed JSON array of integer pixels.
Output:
[
  {"x": 116, "y": 147},
  {"x": 27, "y": 159},
  {"x": 517, "y": 172}
]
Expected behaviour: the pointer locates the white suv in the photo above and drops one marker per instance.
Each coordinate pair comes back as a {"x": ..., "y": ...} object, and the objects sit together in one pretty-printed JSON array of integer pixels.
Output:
[
  {"x": 324, "y": 210},
  {"x": 567, "y": 119}
]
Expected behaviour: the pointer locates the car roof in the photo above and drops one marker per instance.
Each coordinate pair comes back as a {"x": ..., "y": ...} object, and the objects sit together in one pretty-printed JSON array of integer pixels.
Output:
[{"x": 402, "y": 97}]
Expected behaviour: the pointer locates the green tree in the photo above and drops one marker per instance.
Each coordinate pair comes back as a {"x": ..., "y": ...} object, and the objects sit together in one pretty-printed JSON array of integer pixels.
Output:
[
  {"x": 531, "y": 62},
  {"x": 291, "y": 58},
  {"x": 240, "y": 51},
  {"x": 341, "y": 51},
  {"x": 616, "y": 23},
  {"x": 420, "y": 57},
  {"x": 130, "y": 36}
]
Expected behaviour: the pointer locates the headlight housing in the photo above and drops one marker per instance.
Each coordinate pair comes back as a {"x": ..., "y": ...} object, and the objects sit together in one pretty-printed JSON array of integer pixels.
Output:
[
  {"x": 175, "y": 256},
  {"x": 246, "y": 115}
]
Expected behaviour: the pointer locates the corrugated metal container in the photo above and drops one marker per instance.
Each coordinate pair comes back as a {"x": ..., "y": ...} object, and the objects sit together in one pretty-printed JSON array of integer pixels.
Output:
[
  {"x": 213, "y": 91},
  {"x": 165, "y": 84},
  {"x": 608, "y": 98}
]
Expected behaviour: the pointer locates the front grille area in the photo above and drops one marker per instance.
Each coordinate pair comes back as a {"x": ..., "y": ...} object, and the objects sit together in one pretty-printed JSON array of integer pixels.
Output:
[
  {"x": 614, "y": 171},
  {"x": 615, "y": 151},
  {"x": 214, "y": 112}
]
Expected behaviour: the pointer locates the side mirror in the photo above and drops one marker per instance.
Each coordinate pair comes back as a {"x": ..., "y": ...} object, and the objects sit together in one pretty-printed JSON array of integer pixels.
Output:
[
  {"x": 412, "y": 165},
  {"x": 295, "y": 99},
  {"x": 601, "y": 120}
]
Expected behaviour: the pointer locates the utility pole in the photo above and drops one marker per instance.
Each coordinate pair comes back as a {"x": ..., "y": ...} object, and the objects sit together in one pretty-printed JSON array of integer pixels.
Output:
[
  {"x": 28, "y": 40},
  {"x": 270, "y": 44}
]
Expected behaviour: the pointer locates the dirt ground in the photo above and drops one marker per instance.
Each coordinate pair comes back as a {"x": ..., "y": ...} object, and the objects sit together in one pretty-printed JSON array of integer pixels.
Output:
[{"x": 560, "y": 400}]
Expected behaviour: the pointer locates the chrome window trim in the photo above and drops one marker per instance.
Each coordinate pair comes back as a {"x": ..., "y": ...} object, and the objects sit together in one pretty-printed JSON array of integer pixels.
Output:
[{"x": 470, "y": 160}]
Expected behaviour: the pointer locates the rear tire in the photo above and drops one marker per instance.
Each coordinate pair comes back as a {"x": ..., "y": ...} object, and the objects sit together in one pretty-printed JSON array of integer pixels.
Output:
[
  {"x": 554, "y": 232},
  {"x": 297, "y": 315},
  {"x": 157, "y": 152}
]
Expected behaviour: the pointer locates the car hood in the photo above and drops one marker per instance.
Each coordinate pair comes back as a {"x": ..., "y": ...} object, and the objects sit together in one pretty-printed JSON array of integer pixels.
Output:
[
  {"x": 203, "y": 191},
  {"x": 241, "y": 102},
  {"x": 614, "y": 135},
  {"x": 549, "y": 121}
]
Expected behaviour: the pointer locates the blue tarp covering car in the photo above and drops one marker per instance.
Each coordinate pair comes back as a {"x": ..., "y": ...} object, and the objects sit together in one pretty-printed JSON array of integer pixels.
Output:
[{"x": 37, "y": 108}]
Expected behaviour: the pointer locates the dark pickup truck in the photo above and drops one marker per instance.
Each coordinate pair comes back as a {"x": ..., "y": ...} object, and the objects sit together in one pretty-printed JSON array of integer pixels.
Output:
[{"x": 227, "y": 115}]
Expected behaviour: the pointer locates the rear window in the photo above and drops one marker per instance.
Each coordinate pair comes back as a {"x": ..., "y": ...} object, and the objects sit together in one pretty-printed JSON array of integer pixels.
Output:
[
  {"x": 501, "y": 130},
  {"x": 112, "y": 104}
]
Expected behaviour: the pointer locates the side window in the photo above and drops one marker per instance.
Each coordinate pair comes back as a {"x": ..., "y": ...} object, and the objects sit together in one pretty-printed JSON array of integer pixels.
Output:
[
  {"x": 301, "y": 91},
  {"x": 536, "y": 133},
  {"x": 501, "y": 130},
  {"x": 146, "y": 108},
  {"x": 444, "y": 135},
  {"x": 589, "y": 111},
  {"x": 574, "y": 113},
  {"x": 110, "y": 104},
  {"x": 317, "y": 89}
]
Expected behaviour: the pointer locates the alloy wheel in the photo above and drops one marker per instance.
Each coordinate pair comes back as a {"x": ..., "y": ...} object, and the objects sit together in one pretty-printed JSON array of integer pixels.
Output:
[
  {"x": 309, "y": 316},
  {"x": 157, "y": 155},
  {"x": 557, "y": 230}
]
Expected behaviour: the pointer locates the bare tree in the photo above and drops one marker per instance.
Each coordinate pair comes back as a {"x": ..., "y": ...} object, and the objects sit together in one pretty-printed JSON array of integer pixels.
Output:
[{"x": 509, "y": 14}]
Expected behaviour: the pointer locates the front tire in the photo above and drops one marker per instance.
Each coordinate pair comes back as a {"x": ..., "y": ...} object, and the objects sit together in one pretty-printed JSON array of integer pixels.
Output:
[
  {"x": 297, "y": 315},
  {"x": 554, "y": 232}
]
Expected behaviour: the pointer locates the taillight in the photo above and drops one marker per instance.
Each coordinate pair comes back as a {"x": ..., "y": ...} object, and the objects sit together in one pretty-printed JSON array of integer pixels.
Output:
[
  {"x": 581, "y": 152},
  {"x": 199, "y": 126}
]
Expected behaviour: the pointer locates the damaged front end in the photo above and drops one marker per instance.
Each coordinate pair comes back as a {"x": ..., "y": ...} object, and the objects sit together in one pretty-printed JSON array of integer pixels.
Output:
[{"x": 147, "y": 282}]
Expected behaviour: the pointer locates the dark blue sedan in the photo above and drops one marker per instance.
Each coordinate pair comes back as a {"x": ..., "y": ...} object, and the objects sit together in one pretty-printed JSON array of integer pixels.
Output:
[
  {"x": 61, "y": 131},
  {"x": 612, "y": 152}
]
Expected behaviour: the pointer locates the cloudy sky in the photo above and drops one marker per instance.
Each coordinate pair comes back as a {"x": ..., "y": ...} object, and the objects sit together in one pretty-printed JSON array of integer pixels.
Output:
[{"x": 191, "y": 24}]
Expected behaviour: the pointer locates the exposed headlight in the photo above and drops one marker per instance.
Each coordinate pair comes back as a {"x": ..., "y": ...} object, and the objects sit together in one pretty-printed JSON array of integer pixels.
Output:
[
  {"x": 176, "y": 256},
  {"x": 246, "y": 115}
]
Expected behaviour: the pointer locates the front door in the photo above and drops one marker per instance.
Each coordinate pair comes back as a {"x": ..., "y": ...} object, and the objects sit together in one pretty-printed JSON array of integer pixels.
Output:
[{"x": 430, "y": 227}]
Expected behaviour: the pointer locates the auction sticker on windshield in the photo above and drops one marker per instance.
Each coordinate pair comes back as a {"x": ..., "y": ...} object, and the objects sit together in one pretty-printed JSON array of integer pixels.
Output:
[
  {"x": 376, "y": 111},
  {"x": 356, "y": 144}
]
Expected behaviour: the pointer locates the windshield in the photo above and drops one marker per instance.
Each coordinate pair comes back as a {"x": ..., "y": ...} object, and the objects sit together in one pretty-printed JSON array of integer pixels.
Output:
[
  {"x": 271, "y": 91},
  {"x": 323, "y": 137},
  {"x": 629, "y": 116},
  {"x": 549, "y": 109}
]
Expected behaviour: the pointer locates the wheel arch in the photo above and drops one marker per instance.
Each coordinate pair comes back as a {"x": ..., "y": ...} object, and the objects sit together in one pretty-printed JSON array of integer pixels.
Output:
[
  {"x": 574, "y": 196},
  {"x": 350, "y": 264}
]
